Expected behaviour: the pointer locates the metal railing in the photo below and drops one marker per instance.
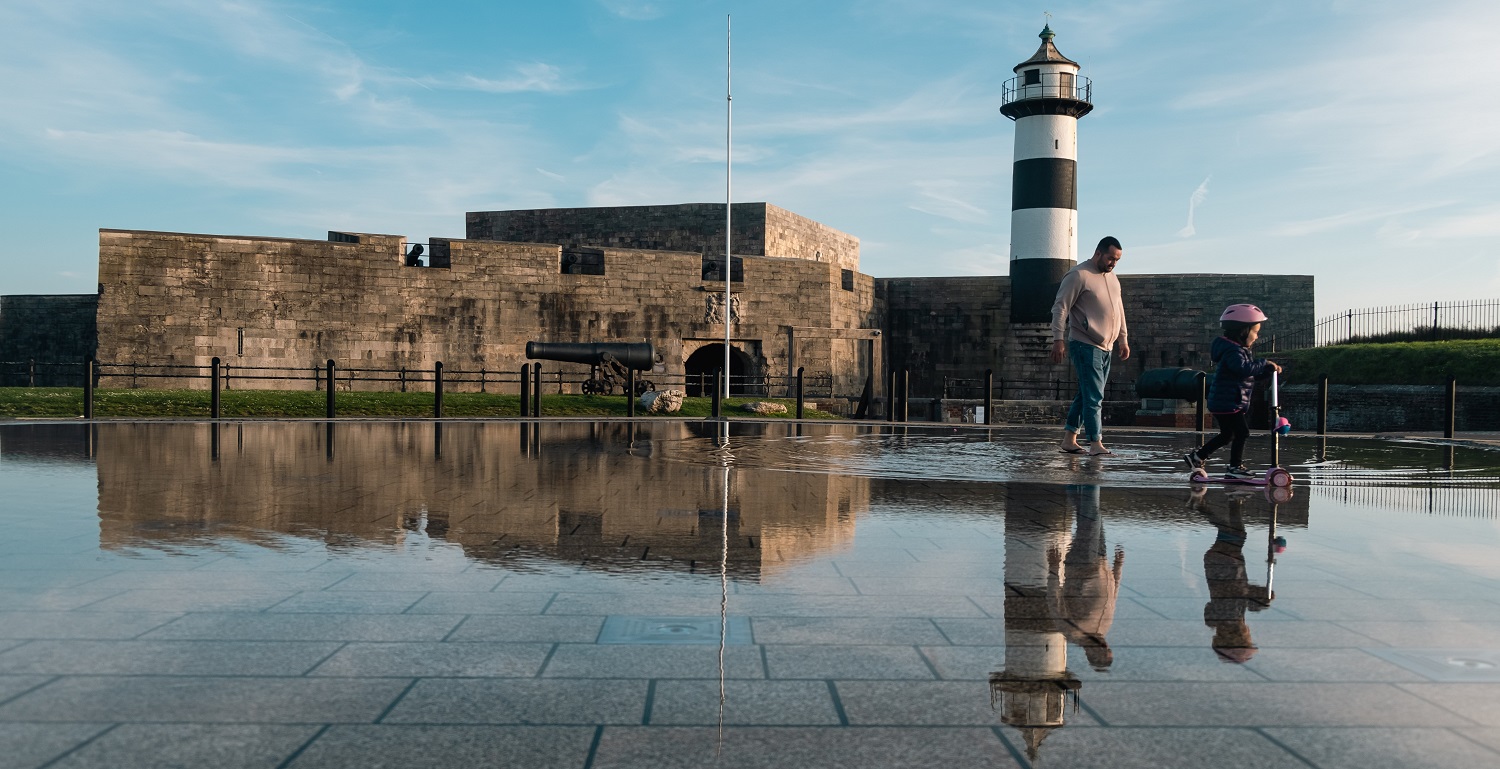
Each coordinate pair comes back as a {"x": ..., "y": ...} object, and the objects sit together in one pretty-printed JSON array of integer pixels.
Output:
[
  {"x": 1427, "y": 321},
  {"x": 1030, "y": 389},
  {"x": 1049, "y": 85}
]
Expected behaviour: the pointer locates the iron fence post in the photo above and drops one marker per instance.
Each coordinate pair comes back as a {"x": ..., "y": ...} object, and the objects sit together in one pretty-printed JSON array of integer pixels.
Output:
[
  {"x": 403, "y": 379},
  {"x": 330, "y": 380},
  {"x": 905, "y": 395},
  {"x": 88, "y": 387},
  {"x": 799, "y": 392},
  {"x": 213, "y": 401},
  {"x": 718, "y": 406},
  {"x": 630, "y": 392},
  {"x": 437, "y": 390},
  {"x": 989, "y": 396},
  {"x": 1450, "y": 402},
  {"x": 481, "y": 379},
  {"x": 31, "y": 372},
  {"x": 890, "y": 398},
  {"x": 1200, "y": 416},
  {"x": 1322, "y": 404},
  {"x": 525, "y": 390},
  {"x": 536, "y": 390}
]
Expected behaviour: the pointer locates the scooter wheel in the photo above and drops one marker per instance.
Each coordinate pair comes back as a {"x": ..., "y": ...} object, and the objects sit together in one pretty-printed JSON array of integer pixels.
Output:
[
  {"x": 1199, "y": 475},
  {"x": 1278, "y": 477}
]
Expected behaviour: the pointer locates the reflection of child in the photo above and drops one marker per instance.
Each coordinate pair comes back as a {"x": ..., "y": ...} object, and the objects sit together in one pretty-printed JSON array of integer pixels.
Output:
[
  {"x": 1230, "y": 593},
  {"x": 1234, "y": 380}
]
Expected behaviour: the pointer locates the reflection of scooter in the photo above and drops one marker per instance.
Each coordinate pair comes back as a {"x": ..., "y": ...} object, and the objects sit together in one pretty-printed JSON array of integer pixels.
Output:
[
  {"x": 1276, "y": 476},
  {"x": 1275, "y": 544}
]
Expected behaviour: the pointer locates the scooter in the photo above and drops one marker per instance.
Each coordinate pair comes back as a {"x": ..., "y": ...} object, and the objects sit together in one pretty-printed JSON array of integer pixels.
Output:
[{"x": 1277, "y": 476}]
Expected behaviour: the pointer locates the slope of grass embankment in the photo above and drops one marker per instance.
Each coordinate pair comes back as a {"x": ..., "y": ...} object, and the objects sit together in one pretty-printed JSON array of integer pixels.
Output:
[
  {"x": 1470, "y": 361},
  {"x": 68, "y": 402}
]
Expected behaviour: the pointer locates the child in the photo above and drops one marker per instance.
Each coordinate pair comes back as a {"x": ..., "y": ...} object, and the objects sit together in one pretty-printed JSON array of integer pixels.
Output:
[{"x": 1229, "y": 395}]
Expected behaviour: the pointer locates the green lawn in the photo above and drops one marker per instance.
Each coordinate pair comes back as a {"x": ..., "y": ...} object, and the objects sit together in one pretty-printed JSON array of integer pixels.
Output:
[
  {"x": 68, "y": 402},
  {"x": 1472, "y": 361}
]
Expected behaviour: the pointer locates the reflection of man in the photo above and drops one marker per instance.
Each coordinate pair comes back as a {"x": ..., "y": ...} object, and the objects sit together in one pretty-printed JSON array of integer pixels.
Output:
[
  {"x": 1085, "y": 601},
  {"x": 1089, "y": 308},
  {"x": 1230, "y": 593}
]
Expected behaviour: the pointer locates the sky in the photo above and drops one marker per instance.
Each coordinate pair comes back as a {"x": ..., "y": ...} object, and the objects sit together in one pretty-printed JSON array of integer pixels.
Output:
[{"x": 1353, "y": 140}]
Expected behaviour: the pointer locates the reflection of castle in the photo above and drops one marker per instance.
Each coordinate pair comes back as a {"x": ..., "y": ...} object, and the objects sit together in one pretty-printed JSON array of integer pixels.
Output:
[{"x": 572, "y": 492}]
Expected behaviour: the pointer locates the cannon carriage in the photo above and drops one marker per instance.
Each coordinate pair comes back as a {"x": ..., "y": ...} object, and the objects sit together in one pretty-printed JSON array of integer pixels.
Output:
[{"x": 611, "y": 363}]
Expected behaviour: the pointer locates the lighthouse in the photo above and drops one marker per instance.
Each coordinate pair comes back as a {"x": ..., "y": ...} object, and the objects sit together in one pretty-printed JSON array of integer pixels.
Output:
[{"x": 1045, "y": 98}]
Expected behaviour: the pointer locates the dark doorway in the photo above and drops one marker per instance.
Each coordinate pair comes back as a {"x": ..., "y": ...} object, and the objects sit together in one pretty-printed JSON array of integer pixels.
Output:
[{"x": 701, "y": 365}]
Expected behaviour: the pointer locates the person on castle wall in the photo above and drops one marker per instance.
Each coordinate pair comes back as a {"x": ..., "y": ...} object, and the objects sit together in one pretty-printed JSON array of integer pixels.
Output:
[
  {"x": 1236, "y": 369},
  {"x": 1088, "y": 325}
]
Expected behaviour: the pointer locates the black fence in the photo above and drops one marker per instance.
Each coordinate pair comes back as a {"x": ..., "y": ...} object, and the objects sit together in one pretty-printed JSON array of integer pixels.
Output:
[
  {"x": 1429, "y": 321},
  {"x": 132, "y": 375},
  {"x": 1029, "y": 389}
]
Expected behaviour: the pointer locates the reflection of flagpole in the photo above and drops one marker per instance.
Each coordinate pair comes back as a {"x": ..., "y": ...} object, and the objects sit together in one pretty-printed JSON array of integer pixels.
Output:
[
  {"x": 728, "y": 197},
  {"x": 727, "y": 457}
]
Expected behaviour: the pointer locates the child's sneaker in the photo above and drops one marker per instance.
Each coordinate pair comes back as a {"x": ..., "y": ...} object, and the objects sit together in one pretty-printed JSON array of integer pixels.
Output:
[
  {"x": 1193, "y": 460},
  {"x": 1239, "y": 474}
]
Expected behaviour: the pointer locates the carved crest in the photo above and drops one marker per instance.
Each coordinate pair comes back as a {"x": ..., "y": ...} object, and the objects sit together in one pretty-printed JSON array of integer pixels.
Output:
[{"x": 713, "y": 309}]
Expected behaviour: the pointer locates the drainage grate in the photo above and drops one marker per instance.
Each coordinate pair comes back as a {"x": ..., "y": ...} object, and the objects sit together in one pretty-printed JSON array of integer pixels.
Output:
[
  {"x": 701, "y": 631},
  {"x": 1446, "y": 665}
]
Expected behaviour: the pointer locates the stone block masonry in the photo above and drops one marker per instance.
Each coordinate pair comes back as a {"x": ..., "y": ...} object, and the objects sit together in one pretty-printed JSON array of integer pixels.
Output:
[
  {"x": 47, "y": 329},
  {"x": 958, "y": 327}
]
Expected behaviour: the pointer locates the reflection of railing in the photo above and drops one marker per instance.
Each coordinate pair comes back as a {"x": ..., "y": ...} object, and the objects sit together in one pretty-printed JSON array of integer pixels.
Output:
[
  {"x": 1460, "y": 500},
  {"x": 1048, "y": 85},
  {"x": 1428, "y": 321}
]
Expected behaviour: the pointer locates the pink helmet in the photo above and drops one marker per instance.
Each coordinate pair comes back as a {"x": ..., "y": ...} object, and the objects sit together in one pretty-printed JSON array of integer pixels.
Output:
[{"x": 1243, "y": 313}]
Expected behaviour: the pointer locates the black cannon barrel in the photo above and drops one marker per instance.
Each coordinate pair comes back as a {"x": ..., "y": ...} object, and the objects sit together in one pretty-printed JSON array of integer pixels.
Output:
[
  {"x": 1178, "y": 383},
  {"x": 637, "y": 355}
]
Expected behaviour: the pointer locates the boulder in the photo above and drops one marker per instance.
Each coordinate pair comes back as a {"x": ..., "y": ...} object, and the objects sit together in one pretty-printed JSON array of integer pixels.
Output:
[
  {"x": 662, "y": 401},
  {"x": 764, "y": 407}
]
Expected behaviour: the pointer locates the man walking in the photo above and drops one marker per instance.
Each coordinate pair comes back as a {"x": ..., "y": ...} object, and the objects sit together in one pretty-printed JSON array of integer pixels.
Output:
[{"x": 1088, "y": 304}]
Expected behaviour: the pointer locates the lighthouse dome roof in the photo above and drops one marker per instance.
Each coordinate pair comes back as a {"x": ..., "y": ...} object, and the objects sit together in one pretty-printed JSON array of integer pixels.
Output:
[{"x": 1047, "y": 53}]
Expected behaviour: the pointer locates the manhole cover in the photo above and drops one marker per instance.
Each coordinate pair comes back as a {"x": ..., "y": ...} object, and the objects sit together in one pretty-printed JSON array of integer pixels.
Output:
[
  {"x": 1446, "y": 665},
  {"x": 674, "y": 630}
]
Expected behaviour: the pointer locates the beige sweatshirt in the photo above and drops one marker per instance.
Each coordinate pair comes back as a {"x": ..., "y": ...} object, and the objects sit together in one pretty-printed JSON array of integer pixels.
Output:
[{"x": 1088, "y": 301}]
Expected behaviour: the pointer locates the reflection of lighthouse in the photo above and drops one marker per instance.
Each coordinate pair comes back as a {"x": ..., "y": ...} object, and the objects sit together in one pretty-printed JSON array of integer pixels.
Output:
[
  {"x": 1033, "y": 685},
  {"x": 1046, "y": 99}
]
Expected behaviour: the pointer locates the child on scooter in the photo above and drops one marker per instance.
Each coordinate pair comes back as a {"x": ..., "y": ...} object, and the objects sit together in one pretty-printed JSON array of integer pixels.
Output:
[{"x": 1234, "y": 380}]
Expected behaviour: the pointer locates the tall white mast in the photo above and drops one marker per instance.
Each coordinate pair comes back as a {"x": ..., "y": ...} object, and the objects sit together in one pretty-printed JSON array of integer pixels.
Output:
[{"x": 728, "y": 192}]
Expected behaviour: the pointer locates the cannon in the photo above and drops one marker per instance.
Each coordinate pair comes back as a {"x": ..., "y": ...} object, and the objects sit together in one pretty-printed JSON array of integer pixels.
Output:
[
  {"x": 610, "y": 362},
  {"x": 1171, "y": 383}
]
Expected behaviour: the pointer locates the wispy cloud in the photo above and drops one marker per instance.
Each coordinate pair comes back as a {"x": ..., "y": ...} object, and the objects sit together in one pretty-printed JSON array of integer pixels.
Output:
[
  {"x": 1196, "y": 199},
  {"x": 535, "y": 77},
  {"x": 634, "y": 10}
]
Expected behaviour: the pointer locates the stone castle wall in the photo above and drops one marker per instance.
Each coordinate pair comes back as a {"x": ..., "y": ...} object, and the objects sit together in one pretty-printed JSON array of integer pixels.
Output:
[
  {"x": 958, "y": 327},
  {"x": 46, "y": 329},
  {"x": 760, "y": 229},
  {"x": 184, "y": 299}
]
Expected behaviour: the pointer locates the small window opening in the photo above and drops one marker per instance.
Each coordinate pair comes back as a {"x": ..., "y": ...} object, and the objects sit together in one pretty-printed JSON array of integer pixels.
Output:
[
  {"x": 239, "y": 334},
  {"x": 1055, "y": 144},
  {"x": 583, "y": 261},
  {"x": 848, "y": 280},
  {"x": 713, "y": 269},
  {"x": 1033, "y": 77}
]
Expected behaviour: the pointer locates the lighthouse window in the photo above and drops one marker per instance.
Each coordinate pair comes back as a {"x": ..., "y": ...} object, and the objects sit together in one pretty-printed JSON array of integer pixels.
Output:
[
  {"x": 1065, "y": 84},
  {"x": 1033, "y": 77}
]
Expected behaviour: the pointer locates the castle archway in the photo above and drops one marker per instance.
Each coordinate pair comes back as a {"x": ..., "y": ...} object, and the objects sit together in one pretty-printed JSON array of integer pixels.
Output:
[{"x": 701, "y": 365}]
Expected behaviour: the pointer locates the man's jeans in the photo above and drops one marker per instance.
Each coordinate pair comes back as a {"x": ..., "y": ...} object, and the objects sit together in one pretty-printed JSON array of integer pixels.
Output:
[{"x": 1092, "y": 365}]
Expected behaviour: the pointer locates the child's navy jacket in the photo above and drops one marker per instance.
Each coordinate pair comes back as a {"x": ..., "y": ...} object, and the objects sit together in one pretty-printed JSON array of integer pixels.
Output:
[{"x": 1234, "y": 379}]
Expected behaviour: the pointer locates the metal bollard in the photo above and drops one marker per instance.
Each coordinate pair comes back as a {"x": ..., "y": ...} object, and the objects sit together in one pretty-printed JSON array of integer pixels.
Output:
[
  {"x": 718, "y": 406},
  {"x": 525, "y": 390},
  {"x": 331, "y": 388},
  {"x": 213, "y": 400},
  {"x": 536, "y": 390},
  {"x": 630, "y": 392},
  {"x": 437, "y": 390},
  {"x": 799, "y": 392},
  {"x": 88, "y": 387},
  {"x": 1322, "y": 404},
  {"x": 905, "y": 395},
  {"x": 989, "y": 396},
  {"x": 1200, "y": 416},
  {"x": 1450, "y": 402},
  {"x": 890, "y": 398}
]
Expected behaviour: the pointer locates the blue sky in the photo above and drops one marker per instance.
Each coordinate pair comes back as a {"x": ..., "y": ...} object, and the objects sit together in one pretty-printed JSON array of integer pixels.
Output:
[{"x": 1355, "y": 141}]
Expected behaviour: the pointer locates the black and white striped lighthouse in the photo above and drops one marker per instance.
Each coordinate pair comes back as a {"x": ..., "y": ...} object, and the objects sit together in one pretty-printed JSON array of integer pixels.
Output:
[{"x": 1046, "y": 99}]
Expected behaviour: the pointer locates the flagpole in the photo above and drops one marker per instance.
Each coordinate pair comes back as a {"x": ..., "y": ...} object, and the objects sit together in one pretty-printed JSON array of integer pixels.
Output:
[{"x": 728, "y": 192}]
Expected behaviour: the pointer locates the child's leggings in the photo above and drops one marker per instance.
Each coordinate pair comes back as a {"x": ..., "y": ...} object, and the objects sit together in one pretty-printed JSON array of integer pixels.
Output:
[{"x": 1234, "y": 429}]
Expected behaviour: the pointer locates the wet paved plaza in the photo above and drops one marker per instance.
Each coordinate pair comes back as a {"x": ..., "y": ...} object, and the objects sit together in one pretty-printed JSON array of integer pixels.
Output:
[{"x": 575, "y": 594}]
